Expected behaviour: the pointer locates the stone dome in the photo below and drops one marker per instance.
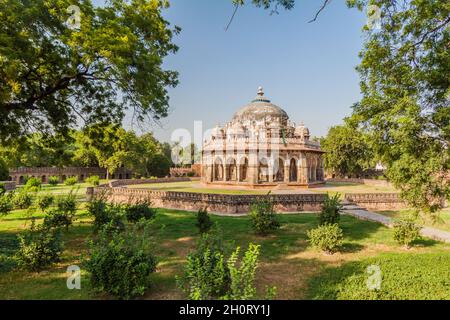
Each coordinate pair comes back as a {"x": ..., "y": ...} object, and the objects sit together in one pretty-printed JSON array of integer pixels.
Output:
[{"x": 261, "y": 108}]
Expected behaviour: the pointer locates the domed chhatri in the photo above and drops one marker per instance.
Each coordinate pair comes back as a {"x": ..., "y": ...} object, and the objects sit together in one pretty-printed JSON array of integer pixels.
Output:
[{"x": 261, "y": 147}]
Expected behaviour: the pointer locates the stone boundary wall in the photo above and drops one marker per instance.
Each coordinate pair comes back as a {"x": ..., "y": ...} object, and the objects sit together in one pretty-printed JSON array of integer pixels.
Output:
[
  {"x": 217, "y": 203},
  {"x": 369, "y": 182},
  {"x": 129, "y": 182},
  {"x": 43, "y": 173},
  {"x": 9, "y": 185},
  {"x": 377, "y": 201}
]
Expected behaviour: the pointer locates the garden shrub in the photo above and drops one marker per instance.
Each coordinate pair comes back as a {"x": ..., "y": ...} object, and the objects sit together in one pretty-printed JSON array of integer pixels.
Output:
[
  {"x": 4, "y": 172},
  {"x": 44, "y": 201},
  {"x": 138, "y": 211},
  {"x": 33, "y": 185},
  {"x": 326, "y": 237},
  {"x": 331, "y": 210},
  {"x": 53, "y": 180},
  {"x": 22, "y": 200},
  {"x": 70, "y": 181},
  {"x": 120, "y": 263},
  {"x": 64, "y": 212},
  {"x": 206, "y": 274},
  {"x": 6, "y": 204},
  {"x": 204, "y": 222},
  {"x": 2, "y": 189},
  {"x": 263, "y": 216},
  {"x": 93, "y": 180},
  {"x": 39, "y": 247},
  {"x": 406, "y": 232},
  {"x": 104, "y": 213}
]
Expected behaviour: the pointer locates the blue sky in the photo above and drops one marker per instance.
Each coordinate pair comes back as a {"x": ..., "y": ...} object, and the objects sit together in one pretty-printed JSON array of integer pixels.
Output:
[{"x": 308, "y": 69}]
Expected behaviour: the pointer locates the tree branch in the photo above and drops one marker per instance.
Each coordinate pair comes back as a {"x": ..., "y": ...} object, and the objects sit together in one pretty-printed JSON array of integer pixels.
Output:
[{"x": 325, "y": 3}]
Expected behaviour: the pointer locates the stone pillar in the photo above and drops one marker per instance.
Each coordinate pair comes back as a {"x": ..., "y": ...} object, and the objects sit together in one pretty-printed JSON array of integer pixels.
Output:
[
  {"x": 286, "y": 173},
  {"x": 238, "y": 172},
  {"x": 224, "y": 172}
]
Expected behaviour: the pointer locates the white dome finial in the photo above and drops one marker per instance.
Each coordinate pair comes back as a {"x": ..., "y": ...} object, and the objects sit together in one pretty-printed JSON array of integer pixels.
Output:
[{"x": 260, "y": 91}]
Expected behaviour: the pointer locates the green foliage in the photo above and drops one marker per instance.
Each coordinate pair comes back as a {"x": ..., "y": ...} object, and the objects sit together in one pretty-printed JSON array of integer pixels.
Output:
[
  {"x": 64, "y": 212},
  {"x": 95, "y": 71},
  {"x": 242, "y": 285},
  {"x": 105, "y": 214},
  {"x": 39, "y": 247},
  {"x": 44, "y": 201},
  {"x": 138, "y": 211},
  {"x": 120, "y": 263},
  {"x": 406, "y": 232},
  {"x": 331, "y": 210},
  {"x": 22, "y": 199},
  {"x": 70, "y": 181},
  {"x": 206, "y": 274},
  {"x": 423, "y": 276},
  {"x": 327, "y": 237},
  {"x": 6, "y": 204},
  {"x": 263, "y": 216},
  {"x": 4, "y": 172},
  {"x": 405, "y": 88},
  {"x": 2, "y": 189},
  {"x": 204, "y": 222},
  {"x": 348, "y": 152},
  {"x": 33, "y": 185},
  {"x": 93, "y": 180},
  {"x": 53, "y": 180}
]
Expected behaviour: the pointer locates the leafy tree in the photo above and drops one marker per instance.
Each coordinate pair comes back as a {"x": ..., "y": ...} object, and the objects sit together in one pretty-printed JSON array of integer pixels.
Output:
[
  {"x": 405, "y": 97},
  {"x": 347, "y": 151},
  {"x": 4, "y": 172},
  {"x": 54, "y": 73}
]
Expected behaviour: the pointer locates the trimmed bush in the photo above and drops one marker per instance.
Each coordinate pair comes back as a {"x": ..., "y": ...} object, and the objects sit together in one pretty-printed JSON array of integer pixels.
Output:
[
  {"x": 33, "y": 185},
  {"x": 53, "y": 180},
  {"x": 204, "y": 222},
  {"x": 22, "y": 200},
  {"x": 263, "y": 216},
  {"x": 6, "y": 204},
  {"x": 70, "y": 181},
  {"x": 326, "y": 237},
  {"x": 138, "y": 211},
  {"x": 331, "y": 210},
  {"x": 93, "y": 180},
  {"x": 39, "y": 247},
  {"x": 63, "y": 214},
  {"x": 44, "y": 201},
  {"x": 406, "y": 232},
  {"x": 120, "y": 263}
]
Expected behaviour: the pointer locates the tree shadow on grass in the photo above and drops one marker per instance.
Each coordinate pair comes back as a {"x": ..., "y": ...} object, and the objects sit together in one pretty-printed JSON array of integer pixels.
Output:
[
  {"x": 351, "y": 247},
  {"x": 355, "y": 229}
]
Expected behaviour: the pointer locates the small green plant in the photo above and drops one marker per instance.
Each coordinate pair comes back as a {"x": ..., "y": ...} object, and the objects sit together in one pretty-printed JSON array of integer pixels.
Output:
[
  {"x": 22, "y": 200},
  {"x": 326, "y": 237},
  {"x": 93, "y": 180},
  {"x": 204, "y": 222},
  {"x": 263, "y": 216},
  {"x": 138, "y": 211},
  {"x": 6, "y": 204},
  {"x": 64, "y": 212},
  {"x": 105, "y": 214},
  {"x": 120, "y": 263},
  {"x": 406, "y": 232},
  {"x": 2, "y": 189},
  {"x": 39, "y": 247},
  {"x": 44, "y": 201},
  {"x": 70, "y": 181},
  {"x": 206, "y": 274},
  {"x": 331, "y": 210},
  {"x": 33, "y": 185},
  {"x": 53, "y": 180}
]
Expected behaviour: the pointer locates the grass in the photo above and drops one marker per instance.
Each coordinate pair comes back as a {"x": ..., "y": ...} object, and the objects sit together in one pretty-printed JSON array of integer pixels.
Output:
[
  {"x": 442, "y": 222},
  {"x": 344, "y": 187},
  {"x": 286, "y": 260}
]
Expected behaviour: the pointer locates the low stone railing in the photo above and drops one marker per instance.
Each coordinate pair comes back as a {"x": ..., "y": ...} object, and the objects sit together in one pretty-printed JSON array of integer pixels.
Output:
[
  {"x": 9, "y": 185},
  {"x": 377, "y": 201},
  {"x": 218, "y": 203},
  {"x": 130, "y": 182}
]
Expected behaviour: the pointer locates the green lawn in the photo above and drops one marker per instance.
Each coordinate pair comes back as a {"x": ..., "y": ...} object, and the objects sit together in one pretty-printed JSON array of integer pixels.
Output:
[
  {"x": 343, "y": 188},
  {"x": 286, "y": 261}
]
